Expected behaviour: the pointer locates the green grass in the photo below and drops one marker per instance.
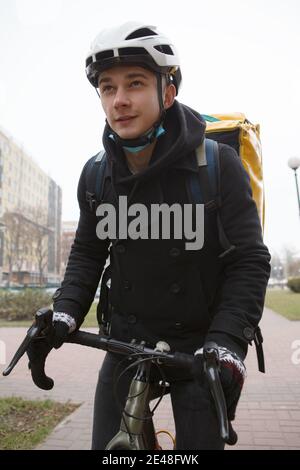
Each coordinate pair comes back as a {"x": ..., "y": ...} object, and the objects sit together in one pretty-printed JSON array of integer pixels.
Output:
[
  {"x": 89, "y": 322},
  {"x": 24, "y": 424},
  {"x": 284, "y": 302},
  {"x": 91, "y": 318}
]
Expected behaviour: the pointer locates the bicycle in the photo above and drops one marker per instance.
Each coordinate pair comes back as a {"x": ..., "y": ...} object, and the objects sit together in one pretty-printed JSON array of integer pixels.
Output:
[{"x": 137, "y": 430}]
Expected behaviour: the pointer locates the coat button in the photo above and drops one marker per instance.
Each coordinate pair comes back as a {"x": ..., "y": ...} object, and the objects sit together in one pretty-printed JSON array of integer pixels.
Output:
[
  {"x": 248, "y": 333},
  {"x": 56, "y": 294},
  {"x": 120, "y": 249},
  {"x": 174, "y": 252},
  {"x": 175, "y": 288},
  {"x": 178, "y": 325},
  {"x": 131, "y": 319},
  {"x": 127, "y": 285}
]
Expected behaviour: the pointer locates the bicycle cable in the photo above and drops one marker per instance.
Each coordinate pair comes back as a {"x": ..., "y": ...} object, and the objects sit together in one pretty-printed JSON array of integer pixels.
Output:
[{"x": 131, "y": 366}]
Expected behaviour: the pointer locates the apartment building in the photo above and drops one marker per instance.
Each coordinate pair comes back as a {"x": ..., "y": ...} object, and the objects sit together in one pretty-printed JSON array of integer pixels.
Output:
[
  {"x": 54, "y": 237},
  {"x": 34, "y": 200}
]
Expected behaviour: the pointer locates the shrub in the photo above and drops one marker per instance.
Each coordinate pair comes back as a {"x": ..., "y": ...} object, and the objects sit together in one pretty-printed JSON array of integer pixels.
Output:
[
  {"x": 22, "y": 305},
  {"x": 294, "y": 284}
]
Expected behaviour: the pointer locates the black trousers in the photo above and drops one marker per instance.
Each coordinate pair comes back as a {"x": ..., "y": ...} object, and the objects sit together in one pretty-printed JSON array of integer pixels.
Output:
[{"x": 193, "y": 409}]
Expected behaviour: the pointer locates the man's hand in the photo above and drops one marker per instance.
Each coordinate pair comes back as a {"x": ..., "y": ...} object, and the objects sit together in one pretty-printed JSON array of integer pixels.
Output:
[
  {"x": 233, "y": 374},
  {"x": 55, "y": 328},
  {"x": 63, "y": 324}
]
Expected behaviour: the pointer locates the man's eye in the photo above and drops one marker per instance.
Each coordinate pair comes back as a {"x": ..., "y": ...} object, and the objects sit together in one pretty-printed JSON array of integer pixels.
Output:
[
  {"x": 106, "y": 88},
  {"x": 136, "y": 83}
]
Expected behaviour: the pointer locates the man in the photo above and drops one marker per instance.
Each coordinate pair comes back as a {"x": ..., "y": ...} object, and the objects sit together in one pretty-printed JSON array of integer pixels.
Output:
[{"x": 160, "y": 290}]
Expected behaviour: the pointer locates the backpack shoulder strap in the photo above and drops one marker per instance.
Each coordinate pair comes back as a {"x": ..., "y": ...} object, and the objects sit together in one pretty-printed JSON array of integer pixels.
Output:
[
  {"x": 205, "y": 187},
  {"x": 95, "y": 179},
  {"x": 208, "y": 173}
]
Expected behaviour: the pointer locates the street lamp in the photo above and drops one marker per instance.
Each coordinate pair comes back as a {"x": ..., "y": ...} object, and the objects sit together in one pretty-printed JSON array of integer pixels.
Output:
[{"x": 294, "y": 164}]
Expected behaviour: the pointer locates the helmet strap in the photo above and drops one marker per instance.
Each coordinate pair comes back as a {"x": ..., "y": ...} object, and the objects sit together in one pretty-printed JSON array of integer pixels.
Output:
[
  {"x": 153, "y": 134},
  {"x": 141, "y": 142}
]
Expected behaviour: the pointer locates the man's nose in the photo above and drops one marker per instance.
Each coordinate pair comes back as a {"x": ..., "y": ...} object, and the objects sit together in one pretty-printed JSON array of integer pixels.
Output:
[{"x": 121, "y": 98}]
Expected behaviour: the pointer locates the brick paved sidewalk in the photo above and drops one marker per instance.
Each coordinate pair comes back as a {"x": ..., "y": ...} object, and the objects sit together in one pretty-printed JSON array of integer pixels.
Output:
[{"x": 268, "y": 415}]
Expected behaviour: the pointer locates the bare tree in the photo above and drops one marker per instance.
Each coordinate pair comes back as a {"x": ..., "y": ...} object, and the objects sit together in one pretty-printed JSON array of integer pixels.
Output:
[
  {"x": 277, "y": 267},
  {"x": 292, "y": 261},
  {"x": 38, "y": 239},
  {"x": 26, "y": 240},
  {"x": 14, "y": 241},
  {"x": 66, "y": 244}
]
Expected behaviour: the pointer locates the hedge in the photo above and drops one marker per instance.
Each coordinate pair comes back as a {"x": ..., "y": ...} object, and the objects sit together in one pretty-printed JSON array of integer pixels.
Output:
[
  {"x": 22, "y": 305},
  {"x": 294, "y": 284}
]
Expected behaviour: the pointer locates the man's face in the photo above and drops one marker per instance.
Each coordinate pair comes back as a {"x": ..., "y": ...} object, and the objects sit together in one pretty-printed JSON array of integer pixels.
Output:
[{"x": 129, "y": 99}]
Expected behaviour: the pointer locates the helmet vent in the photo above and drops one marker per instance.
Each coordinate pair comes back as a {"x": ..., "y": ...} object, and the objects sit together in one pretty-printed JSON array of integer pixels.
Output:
[
  {"x": 165, "y": 49},
  {"x": 132, "y": 51},
  {"x": 141, "y": 33},
  {"x": 104, "y": 55}
]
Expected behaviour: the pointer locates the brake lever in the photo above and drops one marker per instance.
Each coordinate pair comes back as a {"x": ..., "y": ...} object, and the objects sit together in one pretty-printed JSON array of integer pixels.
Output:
[
  {"x": 212, "y": 370},
  {"x": 41, "y": 322},
  {"x": 31, "y": 333}
]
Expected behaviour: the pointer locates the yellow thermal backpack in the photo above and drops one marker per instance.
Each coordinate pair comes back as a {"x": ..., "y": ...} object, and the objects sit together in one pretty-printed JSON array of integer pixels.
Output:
[{"x": 235, "y": 130}]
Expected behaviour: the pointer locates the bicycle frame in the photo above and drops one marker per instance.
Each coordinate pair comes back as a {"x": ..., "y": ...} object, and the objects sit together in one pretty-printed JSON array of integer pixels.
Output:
[{"x": 137, "y": 430}]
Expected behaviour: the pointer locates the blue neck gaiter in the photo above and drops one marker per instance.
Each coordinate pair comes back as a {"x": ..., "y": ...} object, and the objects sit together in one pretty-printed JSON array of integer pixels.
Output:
[{"x": 159, "y": 131}]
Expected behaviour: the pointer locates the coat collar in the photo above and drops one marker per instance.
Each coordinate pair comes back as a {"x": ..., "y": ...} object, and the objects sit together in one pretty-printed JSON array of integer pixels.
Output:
[{"x": 189, "y": 162}]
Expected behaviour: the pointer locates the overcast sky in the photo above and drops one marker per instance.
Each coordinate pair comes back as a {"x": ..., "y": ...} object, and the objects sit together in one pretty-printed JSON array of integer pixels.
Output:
[{"x": 236, "y": 55}]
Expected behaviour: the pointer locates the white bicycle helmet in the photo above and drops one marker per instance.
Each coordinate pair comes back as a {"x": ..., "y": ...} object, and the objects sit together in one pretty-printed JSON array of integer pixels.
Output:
[{"x": 137, "y": 44}]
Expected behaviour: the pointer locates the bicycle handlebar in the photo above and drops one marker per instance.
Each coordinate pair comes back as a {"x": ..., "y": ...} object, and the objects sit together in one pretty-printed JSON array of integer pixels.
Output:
[
  {"x": 210, "y": 363},
  {"x": 93, "y": 340}
]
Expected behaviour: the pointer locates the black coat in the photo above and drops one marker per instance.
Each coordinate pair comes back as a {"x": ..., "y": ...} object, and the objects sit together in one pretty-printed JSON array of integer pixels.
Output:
[{"x": 159, "y": 290}]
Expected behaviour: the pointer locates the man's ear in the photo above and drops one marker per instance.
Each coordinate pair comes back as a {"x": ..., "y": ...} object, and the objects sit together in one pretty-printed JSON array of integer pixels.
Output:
[{"x": 169, "y": 95}]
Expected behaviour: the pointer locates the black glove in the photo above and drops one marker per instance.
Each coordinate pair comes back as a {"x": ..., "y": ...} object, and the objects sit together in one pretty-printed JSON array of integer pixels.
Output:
[
  {"x": 63, "y": 324},
  {"x": 233, "y": 373},
  {"x": 232, "y": 376},
  {"x": 60, "y": 333},
  {"x": 55, "y": 327}
]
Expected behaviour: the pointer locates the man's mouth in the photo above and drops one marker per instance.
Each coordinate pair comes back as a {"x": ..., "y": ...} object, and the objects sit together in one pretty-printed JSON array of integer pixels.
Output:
[{"x": 125, "y": 118}]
